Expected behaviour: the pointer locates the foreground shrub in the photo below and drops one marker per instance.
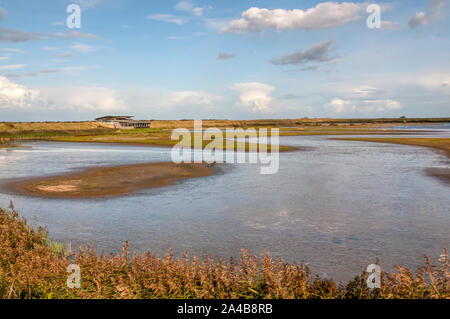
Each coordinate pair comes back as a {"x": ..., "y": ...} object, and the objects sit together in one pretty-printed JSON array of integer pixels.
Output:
[{"x": 31, "y": 266}]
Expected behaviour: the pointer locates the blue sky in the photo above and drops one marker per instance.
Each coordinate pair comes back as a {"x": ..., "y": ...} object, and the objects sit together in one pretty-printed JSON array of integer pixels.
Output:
[{"x": 223, "y": 59}]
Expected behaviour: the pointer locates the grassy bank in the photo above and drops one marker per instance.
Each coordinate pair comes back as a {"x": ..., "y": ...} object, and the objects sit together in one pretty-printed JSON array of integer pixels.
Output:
[
  {"x": 8, "y": 146},
  {"x": 92, "y": 132},
  {"x": 160, "y": 133},
  {"x": 159, "y": 139},
  {"x": 14, "y": 132},
  {"x": 31, "y": 266},
  {"x": 302, "y": 122}
]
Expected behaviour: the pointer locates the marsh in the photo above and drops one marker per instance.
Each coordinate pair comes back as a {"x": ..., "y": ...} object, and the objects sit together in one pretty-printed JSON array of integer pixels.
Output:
[{"x": 337, "y": 205}]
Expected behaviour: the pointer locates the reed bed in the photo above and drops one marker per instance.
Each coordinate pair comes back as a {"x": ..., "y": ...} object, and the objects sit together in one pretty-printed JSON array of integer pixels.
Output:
[{"x": 31, "y": 266}]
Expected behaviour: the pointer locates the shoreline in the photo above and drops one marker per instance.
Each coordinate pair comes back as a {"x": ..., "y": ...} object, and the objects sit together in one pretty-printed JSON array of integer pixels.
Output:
[
  {"x": 109, "y": 181},
  {"x": 436, "y": 144},
  {"x": 282, "y": 149},
  {"x": 441, "y": 145}
]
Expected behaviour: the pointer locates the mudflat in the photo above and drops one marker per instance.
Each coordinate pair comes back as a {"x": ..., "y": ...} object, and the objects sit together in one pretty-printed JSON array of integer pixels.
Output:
[
  {"x": 440, "y": 172},
  {"x": 110, "y": 181}
]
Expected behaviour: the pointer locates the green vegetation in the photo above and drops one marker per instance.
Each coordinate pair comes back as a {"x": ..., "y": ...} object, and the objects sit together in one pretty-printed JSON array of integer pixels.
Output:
[
  {"x": 93, "y": 133},
  {"x": 306, "y": 122},
  {"x": 160, "y": 138},
  {"x": 31, "y": 266},
  {"x": 160, "y": 135},
  {"x": 16, "y": 132}
]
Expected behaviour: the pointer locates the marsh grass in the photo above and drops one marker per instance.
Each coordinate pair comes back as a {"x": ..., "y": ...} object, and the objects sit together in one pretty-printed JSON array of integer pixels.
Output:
[{"x": 32, "y": 267}]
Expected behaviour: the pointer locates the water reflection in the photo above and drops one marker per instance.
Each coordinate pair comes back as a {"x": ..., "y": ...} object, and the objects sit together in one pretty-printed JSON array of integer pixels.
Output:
[{"x": 339, "y": 205}]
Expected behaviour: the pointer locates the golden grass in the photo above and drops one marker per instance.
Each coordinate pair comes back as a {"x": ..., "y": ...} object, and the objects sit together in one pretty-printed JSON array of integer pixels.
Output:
[
  {"x": 8, "y": 146},
  {"x": 31, "y": 266},
  {"x": 48, "y": 126},
  {"x": 161, "y": 139},
  {"x": 338, "y": 123}
]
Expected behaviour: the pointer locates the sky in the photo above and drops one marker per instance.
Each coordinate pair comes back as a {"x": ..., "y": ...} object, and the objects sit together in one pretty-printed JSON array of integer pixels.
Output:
[{"x": 223, "y": 59}]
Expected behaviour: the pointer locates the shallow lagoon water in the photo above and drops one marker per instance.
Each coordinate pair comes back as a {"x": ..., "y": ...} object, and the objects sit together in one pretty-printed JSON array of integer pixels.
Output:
[{"x": 338, "y": 205}]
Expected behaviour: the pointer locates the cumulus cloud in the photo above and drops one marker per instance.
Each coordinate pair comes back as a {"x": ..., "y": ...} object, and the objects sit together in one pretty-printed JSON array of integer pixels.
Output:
[
  {"x": 324, "y": 15},
  {"x": 319, "y": 52},
  {"x": 340, "y": 106},
  {"x": 255, "y": 96},
  {"x": 13, "y": 95},
  {"x": 170, "y": 18},
  {"x": 70, "y": 98},
  {"x": 226, "y": 56}
]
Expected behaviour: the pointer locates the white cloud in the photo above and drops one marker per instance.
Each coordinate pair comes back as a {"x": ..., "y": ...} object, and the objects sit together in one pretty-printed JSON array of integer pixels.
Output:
[
  {"x": 255, "y": 96},
  {"x": 13, "y": 95},
  {"x": 12, "y": 35},
  {"x": 389, "y": 25},
  {"x": 432, "y": 81},
  {"x": 184, "y": 6},
  {"x": 12, "y": 50},
  {"x": 340, "y": 106},
  {"x": 68, "y": 69},
  {"x": 70, "y": 98},
  {"x": 76, "y": 98},
  {"x": 83, "y": 47},
  {"x": 196, "y": 98},
  {"x": 88, "y": 4},
  {"x": 65, "y": 54},
  {"x": 12, "y": 66},
  {"x": 170, "y": 18},
  {"x": 70, "y": 34},
  {"x": 3, "y": 58},
  {"x": 324, "y": 15},
  {"x": 198, "y": 12},
  {"x": 189, "y": 7}
]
